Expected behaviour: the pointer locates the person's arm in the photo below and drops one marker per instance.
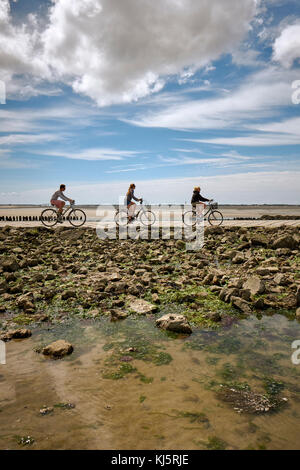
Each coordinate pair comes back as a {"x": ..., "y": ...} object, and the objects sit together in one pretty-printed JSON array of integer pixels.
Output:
[
  {"x": 135, "y": 198},
  {"x": 65, "y": 198},
  {"x": 203, "y": 199}
]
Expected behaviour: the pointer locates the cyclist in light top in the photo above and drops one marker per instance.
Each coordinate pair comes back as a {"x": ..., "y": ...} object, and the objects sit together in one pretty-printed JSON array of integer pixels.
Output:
[
  {"x": 60, "y": 204},
  {"x": 131, "y": 205}
]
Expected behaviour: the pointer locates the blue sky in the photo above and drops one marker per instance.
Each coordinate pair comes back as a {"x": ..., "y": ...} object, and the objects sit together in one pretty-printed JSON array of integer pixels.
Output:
[{"x": 168, "y": 95}]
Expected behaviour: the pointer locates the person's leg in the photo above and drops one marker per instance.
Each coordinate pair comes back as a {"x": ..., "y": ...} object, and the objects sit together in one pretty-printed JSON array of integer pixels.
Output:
[
  {"x": 61, "y": 206},
  {"x": 200, "y": 208},
  {"x": 131, "y": 210}
]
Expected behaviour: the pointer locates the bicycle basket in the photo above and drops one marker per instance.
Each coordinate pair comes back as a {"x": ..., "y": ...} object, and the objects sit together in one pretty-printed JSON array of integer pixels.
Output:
[{"x": 214, "y": 205}]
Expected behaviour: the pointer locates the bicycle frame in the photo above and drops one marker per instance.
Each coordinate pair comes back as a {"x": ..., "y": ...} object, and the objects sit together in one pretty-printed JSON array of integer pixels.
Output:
[
  {"x": 65, "y": 211},
  {"x": 203, "y": 213}
]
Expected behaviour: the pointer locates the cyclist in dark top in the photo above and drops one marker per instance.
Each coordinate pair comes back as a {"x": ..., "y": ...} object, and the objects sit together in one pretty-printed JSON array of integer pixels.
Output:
[
  {"x": 197, "y": 199},
  {"x": 131, "y": 205}
]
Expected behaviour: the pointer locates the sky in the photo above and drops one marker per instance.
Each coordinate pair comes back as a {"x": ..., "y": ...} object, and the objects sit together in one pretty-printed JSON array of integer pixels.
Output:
[{"x": 97, "y": 94}]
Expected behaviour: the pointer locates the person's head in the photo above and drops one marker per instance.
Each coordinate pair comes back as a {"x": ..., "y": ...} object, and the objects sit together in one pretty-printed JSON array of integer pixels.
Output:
[
  {"x": 62, "y": 187},
  {"x": 197, "y": 189},
  {"x": 131, "y": 187}
]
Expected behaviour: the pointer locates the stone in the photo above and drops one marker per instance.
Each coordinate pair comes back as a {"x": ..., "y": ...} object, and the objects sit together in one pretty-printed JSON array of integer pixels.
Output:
[
  {"x": 118, "y": 314},
  {"x": 58, "y": 349},
  {"x": 241, "y": 304},
  {"x": 180, "y": 244},
  {"x": 255, "y": 285},
  {"x": 287, "y": 241},
  {"x": 174, "y": 322},
  {"x": 238, "y": 259},
  {"x": 214, "y": 316},
  {"x": 142, "y": 307},
  {"x": 26, "y": 301},
  {"x": 280, "y": 279},
  {"x": 46, "y": 410},
  {"x": 20, "y": 333},
  {"x": 68, "y": 294},
  {"x": 10, "y": 265}
]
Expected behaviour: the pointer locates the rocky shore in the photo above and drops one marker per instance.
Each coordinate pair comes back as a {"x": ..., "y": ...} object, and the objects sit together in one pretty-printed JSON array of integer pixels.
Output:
[{"x": 50, "y": 275}]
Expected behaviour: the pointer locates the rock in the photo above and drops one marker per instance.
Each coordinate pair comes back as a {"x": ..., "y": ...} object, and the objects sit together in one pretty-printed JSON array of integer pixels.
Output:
[
  {"x": 118, "y": 314},
  {"x": 259, "y": 304},
  {"x": 142, "y": 307},
  {"x": 180, "y": 244},
  {"x": 214, "y": 316},
  {"x": 16, "y": 334},
  {"x": 280, "y": 279},
  {"x": 3, "y": 287},
  {"x": 226, "y": 293},
  {"x": 287, "y": 241},
  {"x": 249, "y": 402},
  {"x": 46, "y": 410},
  {"x": 255, "y": 285},
  {"x": 174, "y": 322},
  {"x": 155, "y": 298},
  {"x": 241, "y": 304},
  {"x": 58, "y": 349},
  {"x": 26, "y": 301},
  {"x": 238, "y": 259},
  {"x": 10, "y": 265},
  {"x": 68, "y": 294},
  {"x": 258, "y": 240}
]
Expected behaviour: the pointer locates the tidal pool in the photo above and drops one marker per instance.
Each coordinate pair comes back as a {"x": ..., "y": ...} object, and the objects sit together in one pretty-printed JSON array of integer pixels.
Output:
[{"x": 136, "y": 387}]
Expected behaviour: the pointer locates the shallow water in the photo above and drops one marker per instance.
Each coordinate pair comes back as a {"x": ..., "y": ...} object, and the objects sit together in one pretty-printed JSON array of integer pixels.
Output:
[{"x": 160, "y": 395}]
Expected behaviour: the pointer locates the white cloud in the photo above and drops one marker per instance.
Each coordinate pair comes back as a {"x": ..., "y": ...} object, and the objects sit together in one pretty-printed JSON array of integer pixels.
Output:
[
  {"x": 119, "y": 51},
  {"x": 258, "y": 97},
  {"x": 286, "y": 132},
  {"x": 16, "y": 139},
  {"x": 93, "y": 154},
  {"x": 286, "y": 48}
]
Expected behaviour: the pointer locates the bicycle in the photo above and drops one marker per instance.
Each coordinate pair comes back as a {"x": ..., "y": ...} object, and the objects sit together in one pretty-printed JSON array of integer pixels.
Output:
[
  {"x": 146, "y": 216},
  {"x": 76, "y": 217},
  {"x": 214, "y": 216}
]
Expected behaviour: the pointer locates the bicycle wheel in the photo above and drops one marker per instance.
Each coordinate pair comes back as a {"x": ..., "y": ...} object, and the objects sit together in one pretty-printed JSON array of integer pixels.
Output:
[
  {"x": 76, "y": 217},
  {"x": 215, "y": 218},
  {"x": 147, "y": 218},
  {"x": 189, "y": 218},
  {"x": 121, "y": 218},
  {"x": 49, "y": 217}
]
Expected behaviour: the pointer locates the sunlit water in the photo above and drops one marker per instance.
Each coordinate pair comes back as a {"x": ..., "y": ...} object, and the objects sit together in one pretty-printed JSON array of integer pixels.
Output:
[{"x": 160, "y": 395}]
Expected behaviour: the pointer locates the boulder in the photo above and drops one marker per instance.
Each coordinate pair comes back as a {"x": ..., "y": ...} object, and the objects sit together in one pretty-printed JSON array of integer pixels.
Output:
[
  {"x": 58, "y": 349},
  {"x": 174, "y": 322},
  {"x": 16, "y": 334},
  {"x": 10, "y": 265},
  {"x": 255, "y": 285},
  {"x": 287, "y": 241},
  {"x": 238, "y": 259},
  {"x": 118, "y": 314},
  {"x": 241, "y": 305},
  {"x": 280, "y": 279},
  {"x": 140, "y": 306},
  {"x": 26, "y": 301},
  {"x": 68, "y": 294}
]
